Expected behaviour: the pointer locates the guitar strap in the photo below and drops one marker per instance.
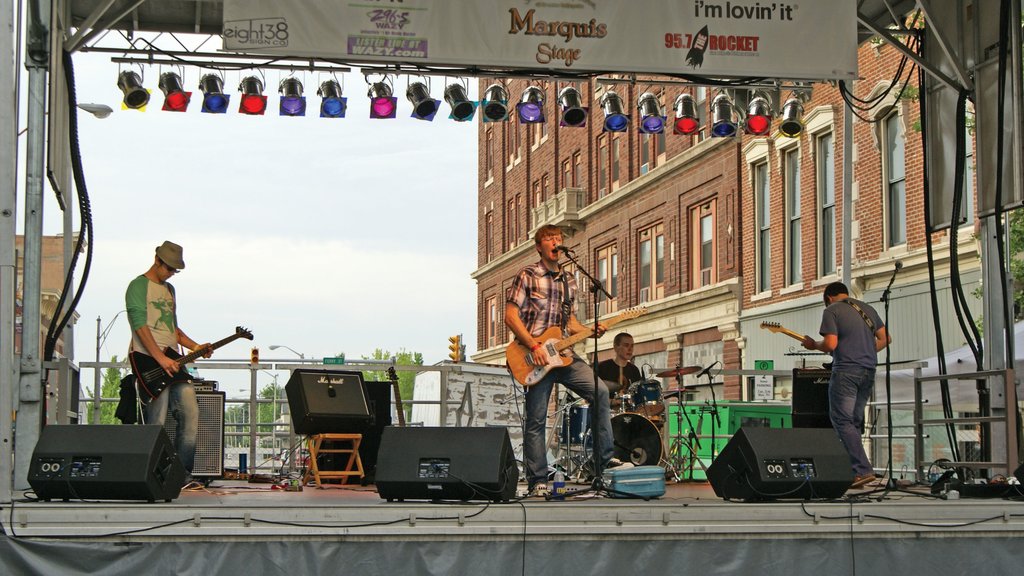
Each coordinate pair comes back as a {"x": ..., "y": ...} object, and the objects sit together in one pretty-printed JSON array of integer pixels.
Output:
[
  {"x": 566, "y": 303},
  {"x": 871, "y": 325}
]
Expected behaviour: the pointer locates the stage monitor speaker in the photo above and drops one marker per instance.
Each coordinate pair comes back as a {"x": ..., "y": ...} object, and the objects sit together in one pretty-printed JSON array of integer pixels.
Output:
[
  {"x": 771, "y": 463},
  {"x": 446, "y": 464},
  {"x": 105, "y": 462},
  {"x": 209, "y": 460},
  {"x": 810, "y": 398},
  {"x": 327, "y": 401}
]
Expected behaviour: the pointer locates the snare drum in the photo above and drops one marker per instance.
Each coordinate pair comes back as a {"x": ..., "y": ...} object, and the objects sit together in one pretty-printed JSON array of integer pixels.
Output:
[{"x": 647, "y": 398}]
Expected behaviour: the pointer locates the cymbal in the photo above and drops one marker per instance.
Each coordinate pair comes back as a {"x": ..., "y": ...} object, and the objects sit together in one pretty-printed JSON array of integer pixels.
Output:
[{"x": 680, "y": 371}]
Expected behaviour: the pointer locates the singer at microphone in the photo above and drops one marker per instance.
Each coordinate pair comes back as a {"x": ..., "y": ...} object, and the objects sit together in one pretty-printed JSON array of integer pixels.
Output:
[{"x": 562, "y": 248}]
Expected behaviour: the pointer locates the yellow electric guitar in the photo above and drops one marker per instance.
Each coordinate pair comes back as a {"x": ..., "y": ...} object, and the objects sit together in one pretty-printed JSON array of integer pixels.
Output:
[
  {"x": 779, "y": 329},
  {"x": 558, "y": 351}
]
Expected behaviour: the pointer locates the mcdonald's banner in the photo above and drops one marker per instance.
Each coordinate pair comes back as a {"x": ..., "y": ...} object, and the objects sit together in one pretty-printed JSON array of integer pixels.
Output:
[{"x": 809, "y": 40}]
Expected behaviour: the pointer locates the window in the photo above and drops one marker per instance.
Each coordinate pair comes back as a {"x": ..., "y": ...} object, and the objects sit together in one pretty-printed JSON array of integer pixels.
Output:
[
  {"x": 794, "y": 269},
  {"x": 703, "y": 269},
  {"x": 511, "y": 224},
  {"x": 700, "y": 99},
  {"x": 652, "y": 263},
  {"x": 538, "y": 197},
  {"x": 510, "y": 151},
  {"x": 544, "y": 186},
  {"x": 491, "y": 325},
  {"x": 652, "y": 151},
  {"x": 566, "y": 173},
  {"x": 489, "y": 235},
  {"x": 608, "y": 275},
  {"x": 645, "y": 154},
  {"x": 825, "y": 169},
  {"x": 615, "y": 163},
  {"x": 602, "y": 165},
  {"x": 763, "y": 210},
  {"x": 577, "y": 169},
  {"x": 894, "y": 168},
  {"x": 489, "y": 154},
  {"x": 520, "y": 217}
]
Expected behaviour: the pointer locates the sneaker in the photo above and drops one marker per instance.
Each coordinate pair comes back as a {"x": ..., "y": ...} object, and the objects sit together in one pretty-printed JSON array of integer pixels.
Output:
[
  {"x": 538, "y": 490},
  {"x": 616, "y": 463},
  {"x": 861, "y": 480}
]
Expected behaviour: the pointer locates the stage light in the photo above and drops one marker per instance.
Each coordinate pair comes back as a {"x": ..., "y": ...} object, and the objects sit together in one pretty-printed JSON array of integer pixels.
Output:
[
  {"x": 571, "y": 102},
  {"x": 252, "y": 102},
  {"x": 792, "y": 118},
  {"x": 615, "y": 118},
  {"x": 722, "y": 124},
  {"x": 423, "y": 106},
  {"x": 495, "y": 103},
  {"x": 463, "y": 109},
  {"x": 652, "y": 121},
  {"x": 333, "y": 104},
  {"x": 293, "y": 103},
  {"x": 215, "y": 101},
  {"x": 175, "y": 98},
  {"x": 687, "y": 121},
  {"x": 531, "y": 106},
  {"x": 382, "y": 103},
  {"x": 135, "y": 96},
  {"x": 759, "y": 117}
]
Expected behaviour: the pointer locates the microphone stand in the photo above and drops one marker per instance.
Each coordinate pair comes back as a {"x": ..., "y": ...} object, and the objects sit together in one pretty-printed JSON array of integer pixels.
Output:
[{"x": 596, "y": 289}]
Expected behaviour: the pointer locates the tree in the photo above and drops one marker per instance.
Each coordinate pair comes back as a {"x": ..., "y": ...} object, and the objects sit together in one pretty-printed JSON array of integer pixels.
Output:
[
  {"x": 110, "y": 388},
  {"x": 405, "y": 379}
]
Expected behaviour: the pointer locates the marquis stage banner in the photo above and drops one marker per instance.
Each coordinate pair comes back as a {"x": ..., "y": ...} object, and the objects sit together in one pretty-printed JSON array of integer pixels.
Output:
[{"x": 808, "y": 40}]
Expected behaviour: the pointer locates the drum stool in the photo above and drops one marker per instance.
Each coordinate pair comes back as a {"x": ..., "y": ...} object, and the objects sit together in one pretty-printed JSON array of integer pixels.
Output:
[{"x": 316, "y": 446}]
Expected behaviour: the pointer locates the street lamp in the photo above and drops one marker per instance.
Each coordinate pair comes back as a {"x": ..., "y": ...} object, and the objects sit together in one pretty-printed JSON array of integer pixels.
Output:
[{"x": 297, "y": 353}]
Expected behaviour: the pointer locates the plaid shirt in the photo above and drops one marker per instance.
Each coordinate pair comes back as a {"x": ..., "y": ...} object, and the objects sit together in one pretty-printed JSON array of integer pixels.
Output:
[{"x": 539, "y": 295}]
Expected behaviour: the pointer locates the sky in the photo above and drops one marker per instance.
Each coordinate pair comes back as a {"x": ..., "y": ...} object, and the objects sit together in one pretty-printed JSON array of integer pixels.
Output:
[{"x": 323, "y": 235}]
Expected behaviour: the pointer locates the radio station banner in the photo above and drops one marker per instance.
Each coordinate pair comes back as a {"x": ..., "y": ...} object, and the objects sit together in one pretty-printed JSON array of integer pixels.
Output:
[{"x": 808, "y": 40}]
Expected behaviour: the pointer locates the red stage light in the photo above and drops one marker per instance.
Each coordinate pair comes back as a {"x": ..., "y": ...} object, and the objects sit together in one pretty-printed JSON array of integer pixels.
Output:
[
  {"x": 177, "y": 101},
  {"x": 687, "y": 126}
]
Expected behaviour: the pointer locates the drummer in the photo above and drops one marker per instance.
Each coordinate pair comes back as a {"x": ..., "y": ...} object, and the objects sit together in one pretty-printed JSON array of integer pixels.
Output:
[{"x": 619, "y": 373}]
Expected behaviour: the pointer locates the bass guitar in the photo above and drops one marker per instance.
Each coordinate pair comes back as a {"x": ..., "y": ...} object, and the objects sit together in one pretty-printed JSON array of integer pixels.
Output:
[
  {"x": 779, "y": 329},
  {"x": 152, "y": 378},
  {"x": 557, "y": 350}
]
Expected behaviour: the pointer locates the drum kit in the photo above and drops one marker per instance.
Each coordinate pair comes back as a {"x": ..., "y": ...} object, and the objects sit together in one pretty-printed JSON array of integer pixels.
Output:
[{"x": 639, "y": 427}]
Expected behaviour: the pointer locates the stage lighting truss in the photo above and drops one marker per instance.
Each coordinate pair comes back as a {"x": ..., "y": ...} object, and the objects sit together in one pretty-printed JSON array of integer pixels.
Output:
[
  {"x": 175, "y": 97},
  {"x": 135, "y": 96},
  {"x": 252, "y": 102},
  {"x": 652, "y": 119},
  {"x": 293, "y": 102},
  {"x": 463, "y": 109},
  {"x": 215, "y": 101},
  {"x": 615, "y": 118},
  {"x": 423, "y": 106},
  {"x": 332, "y": 103},
  {"x": 495, "y": 103},
  {"x": 759, "y": 117},
  {"x": 792, "y": 123},
  {"x": 687, "y": 120},
  {"x": 574, "y": 114},
  {"x": 722, "y": 123},
  {"x": 382, "y": 104},
  {"x": 531, "y": 106}
]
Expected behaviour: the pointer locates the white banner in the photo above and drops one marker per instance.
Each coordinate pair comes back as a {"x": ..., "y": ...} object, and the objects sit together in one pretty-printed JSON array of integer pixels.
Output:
[{"x": 809, "y": 40}]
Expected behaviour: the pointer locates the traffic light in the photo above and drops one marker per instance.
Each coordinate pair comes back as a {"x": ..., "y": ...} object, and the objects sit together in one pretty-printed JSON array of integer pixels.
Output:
[
  {"x": 254, "y": 355},
  {"x": 456, "y": 348}
]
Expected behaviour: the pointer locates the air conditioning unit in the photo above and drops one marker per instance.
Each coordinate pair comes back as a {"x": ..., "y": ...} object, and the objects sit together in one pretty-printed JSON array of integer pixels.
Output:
[{"x": 645, "y": 295}]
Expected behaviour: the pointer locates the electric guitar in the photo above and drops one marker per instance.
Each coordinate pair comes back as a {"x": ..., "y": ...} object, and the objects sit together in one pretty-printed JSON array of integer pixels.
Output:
[
  {"x": 399, "y": 408},
  {"x": 152, "y": 378},
  {"x": 779, "y": 329},
  {"x": 520, "y": 359}
]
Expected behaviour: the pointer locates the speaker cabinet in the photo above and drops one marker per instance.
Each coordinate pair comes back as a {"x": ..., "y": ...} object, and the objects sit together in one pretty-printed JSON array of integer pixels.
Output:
[
  {"x": 810, "y": 398},
  {"x": 446, "y": 464},
  {"x": 327, "y": 401},
  {"x": 105, "y": 461},
  {"x": 209, "y": 460},
  {"x": 771, "y": 463}
]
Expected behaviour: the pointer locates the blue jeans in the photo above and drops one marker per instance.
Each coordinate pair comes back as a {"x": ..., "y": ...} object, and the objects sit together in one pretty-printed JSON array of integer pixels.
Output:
[
  {"x": 179, "y": 399},
  {"x": 578, "y": 377},
  {"x": 848, "y": 393}
]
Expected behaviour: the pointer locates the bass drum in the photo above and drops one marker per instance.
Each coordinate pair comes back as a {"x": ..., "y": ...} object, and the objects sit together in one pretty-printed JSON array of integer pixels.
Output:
[{"x": 637, "y": 440}]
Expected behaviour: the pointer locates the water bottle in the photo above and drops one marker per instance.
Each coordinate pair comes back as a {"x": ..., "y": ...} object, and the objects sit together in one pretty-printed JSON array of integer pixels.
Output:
[{"x": 558, "y": 486}]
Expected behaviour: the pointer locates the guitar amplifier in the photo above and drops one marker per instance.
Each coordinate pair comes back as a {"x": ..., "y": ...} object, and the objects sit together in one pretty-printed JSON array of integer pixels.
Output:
[{"x": 209, "y": 461}]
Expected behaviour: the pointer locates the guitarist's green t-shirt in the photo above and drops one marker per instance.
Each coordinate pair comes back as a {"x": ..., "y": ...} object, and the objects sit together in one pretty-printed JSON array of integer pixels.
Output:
[{"x": 151, "y": 304}]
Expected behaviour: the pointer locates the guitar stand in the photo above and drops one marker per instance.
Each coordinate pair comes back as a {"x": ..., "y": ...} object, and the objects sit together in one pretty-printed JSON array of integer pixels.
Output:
[{"x": 677, "y": 461}]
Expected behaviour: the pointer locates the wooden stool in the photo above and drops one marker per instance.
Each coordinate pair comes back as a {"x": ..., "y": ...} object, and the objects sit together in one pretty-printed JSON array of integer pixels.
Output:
[{"x": 354, "y": 466}]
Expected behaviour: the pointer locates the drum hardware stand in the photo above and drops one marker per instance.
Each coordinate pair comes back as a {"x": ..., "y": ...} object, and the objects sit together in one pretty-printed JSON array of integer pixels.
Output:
[{"x": 676, "y": 461}]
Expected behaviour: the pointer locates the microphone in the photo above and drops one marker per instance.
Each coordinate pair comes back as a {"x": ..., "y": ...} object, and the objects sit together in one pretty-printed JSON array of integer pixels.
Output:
[
  {"x": 561, "y": 248},
  {"x": 707, "y": 370}
]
